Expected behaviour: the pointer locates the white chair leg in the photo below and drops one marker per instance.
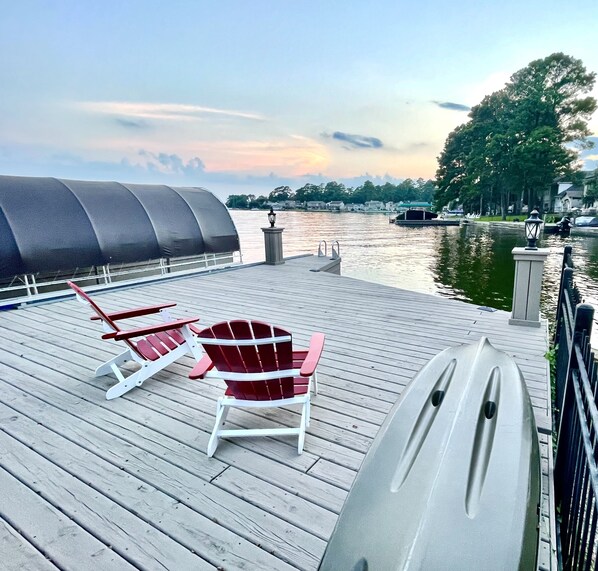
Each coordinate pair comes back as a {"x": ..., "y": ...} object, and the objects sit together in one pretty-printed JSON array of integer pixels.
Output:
[
  {"x": 315, "y": 380},
  {"x": 304, "y": 423},
  {"x": 221, "y": 414},
  {"x": 126, "y": 384},
  {"x": 108, "y": 366}
]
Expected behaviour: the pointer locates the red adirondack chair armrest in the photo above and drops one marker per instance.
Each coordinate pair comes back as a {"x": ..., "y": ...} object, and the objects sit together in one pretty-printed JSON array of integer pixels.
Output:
[
  {"x": 137, "y": 312},
  {"x": 143, "y": 331},
  {"x": 202, "y": 367},
  {"x": 316, "y": 345},
  {"x": 195, "y": 330}
]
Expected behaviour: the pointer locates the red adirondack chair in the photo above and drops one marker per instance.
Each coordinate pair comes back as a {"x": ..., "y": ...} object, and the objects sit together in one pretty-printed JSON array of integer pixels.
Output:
[
  {"x": 154, "y": 347},
  {"x": 260, "y": 368}
]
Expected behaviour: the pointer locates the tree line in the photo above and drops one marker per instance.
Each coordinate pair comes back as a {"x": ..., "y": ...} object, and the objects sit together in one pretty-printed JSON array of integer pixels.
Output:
[
  {"x": 408, "y": 190},
  {"x": 520, "y": 139}
]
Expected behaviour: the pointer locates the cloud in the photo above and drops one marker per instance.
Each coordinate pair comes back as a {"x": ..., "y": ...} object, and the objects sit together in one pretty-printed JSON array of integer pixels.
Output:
[
  {"x": 356, "y": 141},
  {"x": 164, "y": 111},
  {"x": 452, "y": 106},
  {"x": 132, "y": 124},
  {"x": 165, "y": 163},
  {"x": 589, "y": 157},
  {"x": 414, "y": 147},
  {"x": 591, "y": 150},
  {"x": 149, "y": 167}
]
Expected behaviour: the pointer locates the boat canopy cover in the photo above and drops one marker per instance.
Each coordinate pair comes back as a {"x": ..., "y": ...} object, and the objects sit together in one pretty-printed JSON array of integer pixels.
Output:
[{"x": 49, "y": 224}]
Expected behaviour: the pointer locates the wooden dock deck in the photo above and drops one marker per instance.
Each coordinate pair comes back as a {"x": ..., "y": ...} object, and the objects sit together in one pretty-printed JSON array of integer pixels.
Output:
[{"x": 87, "y": 483}]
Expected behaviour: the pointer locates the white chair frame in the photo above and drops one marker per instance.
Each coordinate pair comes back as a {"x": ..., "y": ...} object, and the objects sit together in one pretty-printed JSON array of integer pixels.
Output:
[
  {"x": 224, "y": 403},
  {"x": 147, "y": 368}
]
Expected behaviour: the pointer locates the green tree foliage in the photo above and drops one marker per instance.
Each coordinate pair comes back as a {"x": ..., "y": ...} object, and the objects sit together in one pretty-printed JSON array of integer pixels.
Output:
[
  {"x": 237, "y": 201},
  {"x": 406, "y": 191},
  {"x": 246, "y": 201},
  {"x": 281, "y": 193},
  {"x": 520, "y": 139}
]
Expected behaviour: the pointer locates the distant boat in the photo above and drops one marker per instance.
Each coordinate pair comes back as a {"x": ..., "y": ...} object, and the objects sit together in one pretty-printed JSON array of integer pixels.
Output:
[
  {"x": 562, "y": 227},
  {"x": 422, "y": 217}
]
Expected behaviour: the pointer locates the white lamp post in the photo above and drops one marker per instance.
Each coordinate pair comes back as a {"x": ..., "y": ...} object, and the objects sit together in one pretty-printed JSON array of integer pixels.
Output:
[{"x": 529, "y": 267}]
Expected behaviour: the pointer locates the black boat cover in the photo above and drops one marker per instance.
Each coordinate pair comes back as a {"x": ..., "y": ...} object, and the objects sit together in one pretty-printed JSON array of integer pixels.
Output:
[{"x": 49, "y": 224}]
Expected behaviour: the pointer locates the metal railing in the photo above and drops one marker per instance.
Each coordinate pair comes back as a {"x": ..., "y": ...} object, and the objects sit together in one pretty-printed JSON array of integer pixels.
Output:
[
  {"x": 336, "y": 249},
  {"x": 576, "y": 415},
  {"x": 31, "y": 287}
]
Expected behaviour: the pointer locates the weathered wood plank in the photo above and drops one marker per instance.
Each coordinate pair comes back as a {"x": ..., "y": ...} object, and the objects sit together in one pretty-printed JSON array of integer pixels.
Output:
[
  {"x": 18, "y": 553},
  {"x": 167, "y": 498},
  {"x": 297, "y": 510},
  {"x": 128, "y": 535},
  {"x": 51, "y": 532}
]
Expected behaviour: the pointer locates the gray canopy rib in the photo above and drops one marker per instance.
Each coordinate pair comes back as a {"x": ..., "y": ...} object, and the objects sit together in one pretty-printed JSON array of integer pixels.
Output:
[{"x": 49, "y": 224}]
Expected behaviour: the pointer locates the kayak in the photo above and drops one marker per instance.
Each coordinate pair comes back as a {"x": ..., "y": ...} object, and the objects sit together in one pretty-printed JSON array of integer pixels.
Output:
[{"x": 453, "y": 479}]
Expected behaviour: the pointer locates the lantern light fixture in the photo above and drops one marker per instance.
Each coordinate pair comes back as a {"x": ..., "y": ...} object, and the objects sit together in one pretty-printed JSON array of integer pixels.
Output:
[
  {"x": 271, "y": 217},
  {"x": 532, "y": 230}
]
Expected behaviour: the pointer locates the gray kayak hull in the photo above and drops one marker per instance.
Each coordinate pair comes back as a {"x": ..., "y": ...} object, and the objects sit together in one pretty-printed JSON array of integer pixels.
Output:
[{"x": 452, "y": 480}]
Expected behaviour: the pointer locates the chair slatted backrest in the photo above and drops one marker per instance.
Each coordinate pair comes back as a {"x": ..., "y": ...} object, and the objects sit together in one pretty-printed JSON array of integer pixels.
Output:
[
  {"x": 244, "y": 357},
  {"x": 103, "y": 316}
]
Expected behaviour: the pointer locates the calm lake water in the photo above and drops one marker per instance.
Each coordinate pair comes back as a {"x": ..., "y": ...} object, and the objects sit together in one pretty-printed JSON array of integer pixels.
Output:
[{"x": 473, "y": 263}]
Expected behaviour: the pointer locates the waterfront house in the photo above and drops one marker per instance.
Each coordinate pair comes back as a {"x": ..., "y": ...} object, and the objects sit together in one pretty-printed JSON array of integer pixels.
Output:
[
  {"x": 590, "y": 181},
  {"x": 563, "y": 195},
  {"x": 316, "y": 205},
  {"x": 354, "y": 207},
  {"x": 568, "y": 199},
  {"x": 336, "y": 205},
  {"x": 374, "y": 206}
]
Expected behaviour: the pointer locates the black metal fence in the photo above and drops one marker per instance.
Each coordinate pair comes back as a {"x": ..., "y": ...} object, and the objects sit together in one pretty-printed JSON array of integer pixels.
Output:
[{"x": 576, "y": 415}]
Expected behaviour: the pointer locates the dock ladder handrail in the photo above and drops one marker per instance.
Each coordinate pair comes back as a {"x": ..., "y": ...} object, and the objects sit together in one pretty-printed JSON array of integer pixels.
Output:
[
  {"x": 336, "y": 252},
  {"x": 320, "y": 253}
]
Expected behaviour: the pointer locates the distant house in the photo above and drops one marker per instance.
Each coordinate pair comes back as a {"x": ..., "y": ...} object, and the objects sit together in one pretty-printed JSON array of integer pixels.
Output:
[
  {"x": 591, "y": 178},
  {"x": 336, "y": 205},
  {"x": 316, "y": 205},
  {"x": 374, "y": 206},
  {"x": 568, "y": 198},
  {"x": 355, "y": 207},
  {"x": 289, "y": 204},
  {"x": 562, "y": 196}
]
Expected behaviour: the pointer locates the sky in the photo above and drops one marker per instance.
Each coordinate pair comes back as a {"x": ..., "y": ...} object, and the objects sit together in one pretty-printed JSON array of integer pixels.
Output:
[{"x": 242, "y": 96}]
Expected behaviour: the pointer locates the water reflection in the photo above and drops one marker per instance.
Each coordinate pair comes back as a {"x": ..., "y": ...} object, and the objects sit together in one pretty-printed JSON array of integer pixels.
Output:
[
  {"x": 472, "y": 266},
  {"x": 472, "y": 263}
]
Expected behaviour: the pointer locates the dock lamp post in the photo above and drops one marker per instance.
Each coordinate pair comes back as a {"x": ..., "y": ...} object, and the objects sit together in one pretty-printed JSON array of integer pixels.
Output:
[
  {"x": 532, "y": 230},
  {"x": 529, "y": 267},
  {"x": 273, "y": 241},
  {"x": 271, "y": 217}
]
